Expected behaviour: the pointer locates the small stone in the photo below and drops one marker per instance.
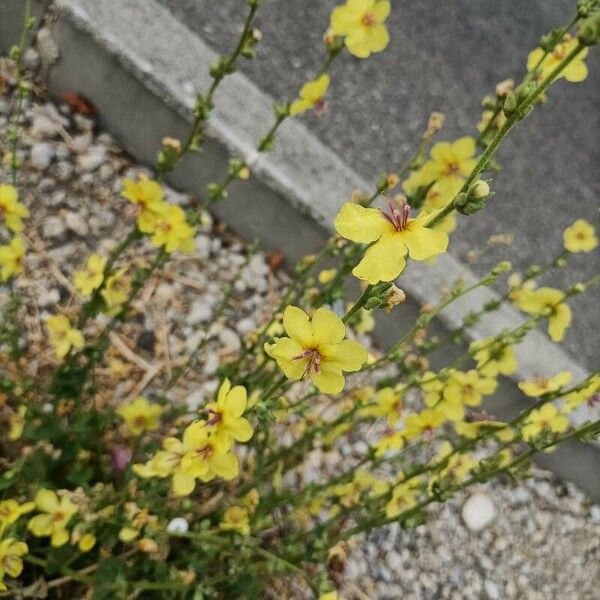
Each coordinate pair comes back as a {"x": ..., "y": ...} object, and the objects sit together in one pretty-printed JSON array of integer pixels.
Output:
[
  {"x": 64, "y": 171},
  {"x": 595, "y": 512},
  {"x": 43, "y": 127},
  {"x": 245, "y": 326},
  {"x": 41, "y": 156},
  {"x": 81, "y": 143},
  {"x": 91, "y": 159},
  {"x": 478, "y": 511},
  {"x": 229, "y": 339},
  {"x": 48, "y": 298},
  {"x": 76, "y": 223},
  {"x": 200, "y": 312},
  {"x": 211, "y": 364},
  {"x": 53, "y": 227}
]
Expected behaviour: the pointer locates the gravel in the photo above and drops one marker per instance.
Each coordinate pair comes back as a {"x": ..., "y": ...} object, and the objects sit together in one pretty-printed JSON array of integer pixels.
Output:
[{"x": 534, "y": 540}]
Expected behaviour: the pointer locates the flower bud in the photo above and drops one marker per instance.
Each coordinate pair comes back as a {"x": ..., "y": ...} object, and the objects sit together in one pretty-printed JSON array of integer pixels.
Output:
[
  {"x": 392, "y": 181},
  {"x": 435, "y": 123},
  {"x": 510, "y": 103},
  {"x": 589, "y": 30},
  {"x": 480, "y": 189},
  {"x": 504, "y": 87}
]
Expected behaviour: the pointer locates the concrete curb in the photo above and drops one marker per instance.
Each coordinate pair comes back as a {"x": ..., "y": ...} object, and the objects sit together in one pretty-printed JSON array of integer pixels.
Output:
[{"x": 141, "y": 70}]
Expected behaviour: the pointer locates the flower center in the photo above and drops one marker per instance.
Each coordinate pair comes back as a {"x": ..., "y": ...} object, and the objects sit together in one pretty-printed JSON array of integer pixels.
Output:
[
  {"x": 314, "y": 361},
  {"x": 396, "y": 212},
  {"x": 369, "y": 20},
  {"x": 214, "y": 417},
  {"x": 542, "y": 382},
  {"x": 452, "y": 169},
  {"x": 205, "y": 452}
]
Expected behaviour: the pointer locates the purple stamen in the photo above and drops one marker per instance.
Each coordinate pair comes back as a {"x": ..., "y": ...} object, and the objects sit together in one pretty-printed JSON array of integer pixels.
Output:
[
  {"x": 397, "y": 213},
  {"x": 314, "y": 361}
]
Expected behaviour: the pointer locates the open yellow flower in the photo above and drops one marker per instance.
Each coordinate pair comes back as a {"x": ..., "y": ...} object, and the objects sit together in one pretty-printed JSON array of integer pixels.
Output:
[
  {"x": 473, "y": 429},
  {"x": 11, "y": 210},
  {"x": 578, "y": 397},
  {"x": 63, "y": 337},
  {"x": 450, "y": 164},
  {"x": 144, "y": 193},
  {"x": 168, "y": 227},
  {"x": 329, "y": 596},
  {"x": 403, "y": 498},
  {"x": 458, "y": 466},
  {"x": 460, "y": 390},
  {"x": 388, "y": 403},
  {"x": 56, "y": 514},
  {"x": 316, "y": 349},
  {"x": 116, "y": 291},
  {"x": 11, "y": 511},
  {"x": 236, "y": 518},
  {"x": 225, "y": 415},
  {"x": 395, "y": 234},
  {"x": 550, "y": 302},
  {"x": 493, "y": 357},
  {"x": 574, "y": 72},
  {"x": 311, "y": 95},
  {"x": 543, "y": 385},
  {"x": 580, "y": 237},
  {"x": 12, "y": 258},
  {"x": 546, "y": 418},
  {"x": 207, "y": 456},
  {"x": 423, "y": 423},
  {"x": 139, "y": 415},
  {"x": 11, "y": 564},
  {"x": 90, "y": 278},
  {"x": 361, "y": 22}
]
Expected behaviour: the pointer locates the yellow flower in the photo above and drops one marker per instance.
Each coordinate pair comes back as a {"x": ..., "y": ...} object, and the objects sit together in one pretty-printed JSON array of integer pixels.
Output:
[
  {"x": 11, "y": 511},
  {"x": 473, "y": 430},
  {"x": 391, "y": 440},
  {"x": 11, "y": 210},
  {"x": 86, "y": 542},
  {"x": 450, "y": 164},
  {"x": 225, "y": 415},
  {"x": 116, "y": 291},
  {"x": 544, "y": 385},
  {"x": 56, "y": 514},
  {"x": 329, "y": 596},
  {"x": 493, "y": 357},
  {"x": 395, "y": 234},
  {"x": 545, "y": 418},
  {"x": 575, "y": 72},
  {"x": 327, "y": 275},
  {"x": 63, "y": 337},
  {"x": 463, "y": 389},
  {"x": 361, "y": 22},
  {"x": 388, "y": 403},
  {"x": 140, "y": 415},
  {"x": 365, "y": 321},
  {"x": 11, "y": 258},
  {"x": 167, "y": 226},
  {"x": 128, "y": 534},
  {"x": 17, "y": 423},
  {"x": 11, "y": 564},
  {"x": 206, "y": 456},
  {"x": 548, "y": 301},
  {"x": 91, "y": 277},
  {"x": 425, "y": 422},
  {"x": 574, "y": 399},
  {"x": 580, "y": 237},
  {"x": 144, "y": 192},
  {"x": 459, "y": 465},
  {"x": 316, "y": 349},
  {"x": 311, "y": 95},
  {"x": 404, "y": 497},
  {"x": 236, "y": 518}
]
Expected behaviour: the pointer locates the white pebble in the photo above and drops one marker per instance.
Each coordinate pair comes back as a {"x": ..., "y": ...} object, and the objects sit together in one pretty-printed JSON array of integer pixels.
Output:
[{"x": 478, "y": 511}]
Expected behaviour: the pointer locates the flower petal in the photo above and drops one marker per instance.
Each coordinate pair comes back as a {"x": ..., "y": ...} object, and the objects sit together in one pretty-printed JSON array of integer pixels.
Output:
[
  {"x": 297, "y": 325},
  {"x": 235, "y": 403},
  {"x": 328, "y": 328},
  {"x": 383, "y": 261},
  {"x": 328, "y": 382},
  {"x": 360, "y": 224},
  {"x": 423, "y": 242},
  {"x": 347, "y": 355}
]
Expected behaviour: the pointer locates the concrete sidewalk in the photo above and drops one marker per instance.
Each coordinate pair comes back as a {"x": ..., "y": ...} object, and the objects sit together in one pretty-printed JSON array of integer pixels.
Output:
[{"x": 445, "y": 56}]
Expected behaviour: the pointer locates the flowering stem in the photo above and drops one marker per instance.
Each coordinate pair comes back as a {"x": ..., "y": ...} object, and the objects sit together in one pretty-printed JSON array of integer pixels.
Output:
[{"x": 517, "y": 115}]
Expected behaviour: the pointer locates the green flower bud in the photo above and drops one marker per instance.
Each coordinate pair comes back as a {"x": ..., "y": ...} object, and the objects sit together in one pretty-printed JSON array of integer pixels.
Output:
[
  {"x": 510, "y": 103},
  {"x": 589, "y": 30},
  {"x": 480, "y": 189},
  {"x": 502, "y": 267}
]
